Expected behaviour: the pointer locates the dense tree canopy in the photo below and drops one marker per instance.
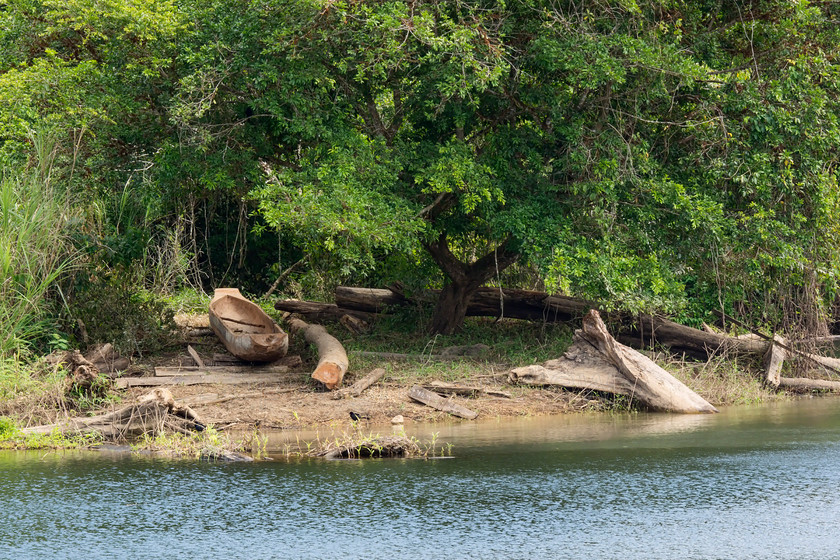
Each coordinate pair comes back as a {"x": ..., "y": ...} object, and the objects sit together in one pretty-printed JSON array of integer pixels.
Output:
[{"x": 662, "y": 155}]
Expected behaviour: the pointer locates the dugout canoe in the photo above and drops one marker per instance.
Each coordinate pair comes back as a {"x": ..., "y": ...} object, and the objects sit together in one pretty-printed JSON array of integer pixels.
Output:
[{"x": 245, "y": 329}]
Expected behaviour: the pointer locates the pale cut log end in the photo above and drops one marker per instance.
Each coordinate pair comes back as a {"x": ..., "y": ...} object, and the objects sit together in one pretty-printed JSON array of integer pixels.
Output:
[{"x": 329, "y": 374}]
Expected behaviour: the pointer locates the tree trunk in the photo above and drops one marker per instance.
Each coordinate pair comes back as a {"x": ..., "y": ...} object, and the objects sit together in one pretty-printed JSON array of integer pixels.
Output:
[
  {"x": 451, "y": 308},
  {"x": 332, "y": 362},
  {"x": 465, "y": 280}
]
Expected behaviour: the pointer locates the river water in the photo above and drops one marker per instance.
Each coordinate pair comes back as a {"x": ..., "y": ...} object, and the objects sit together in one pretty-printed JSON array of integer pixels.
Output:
[{"x": 757, "y": 482}]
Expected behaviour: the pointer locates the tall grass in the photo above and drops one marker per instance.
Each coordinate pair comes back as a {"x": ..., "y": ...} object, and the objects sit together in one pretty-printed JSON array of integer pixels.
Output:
[{"x": 34, "y": 252}]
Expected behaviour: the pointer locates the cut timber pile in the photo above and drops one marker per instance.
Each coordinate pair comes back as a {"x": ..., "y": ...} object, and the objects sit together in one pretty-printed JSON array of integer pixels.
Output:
[
  {"x": 596, "y": 361},
  {"x": 154, "y": 413}
]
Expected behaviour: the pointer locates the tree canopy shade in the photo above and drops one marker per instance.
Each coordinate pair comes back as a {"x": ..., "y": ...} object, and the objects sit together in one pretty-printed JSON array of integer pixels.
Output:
[{"x": 658, "y": 155}]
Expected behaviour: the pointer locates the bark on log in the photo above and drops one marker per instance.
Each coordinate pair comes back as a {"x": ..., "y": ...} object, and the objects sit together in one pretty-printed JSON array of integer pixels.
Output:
[
  {"x": 154, "y": 413},
  {"x": 367, "y": 299},
  {"x": 332, "y": 363},
  {"x": 359, "y": 386},
  {"x": 435, "y": 401},
  {"x": 615, "y": 368},
  {"x": 319, "y": 311}
]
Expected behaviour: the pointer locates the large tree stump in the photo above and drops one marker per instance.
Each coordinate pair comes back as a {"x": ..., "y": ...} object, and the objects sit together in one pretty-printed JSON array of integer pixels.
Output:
[{"x": 598, "y": 362}]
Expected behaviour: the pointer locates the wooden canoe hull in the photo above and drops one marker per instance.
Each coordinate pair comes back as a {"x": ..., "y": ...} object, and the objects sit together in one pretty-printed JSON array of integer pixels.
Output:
[{"x": 245, "y": 329}]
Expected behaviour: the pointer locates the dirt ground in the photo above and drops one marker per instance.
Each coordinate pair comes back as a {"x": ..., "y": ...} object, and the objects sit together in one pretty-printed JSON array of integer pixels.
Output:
[
  {"x": 295, "y": 404},
  {"x": 295, "y": 401}
]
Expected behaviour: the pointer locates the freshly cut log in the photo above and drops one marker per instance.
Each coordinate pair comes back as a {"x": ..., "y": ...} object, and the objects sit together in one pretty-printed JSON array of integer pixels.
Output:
[
  {"x": 197, "y": 379},
  {"x": 610, "y": 366},
  {"x": 435, "y": 401},
  {"x": 359, "y": 386},
  {"x": 245, "y": 329},
  {"x": 154, "y": 413},
  {"x": 332, "y": 362},
  {"x": 210, "y": 370}
]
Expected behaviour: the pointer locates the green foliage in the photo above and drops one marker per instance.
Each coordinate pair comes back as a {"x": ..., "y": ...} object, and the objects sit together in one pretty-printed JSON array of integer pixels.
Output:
[
  {"x": 35, "y": 253},
  {"x": 130, "y": 318},
  {"x": 658, "y": 156}
]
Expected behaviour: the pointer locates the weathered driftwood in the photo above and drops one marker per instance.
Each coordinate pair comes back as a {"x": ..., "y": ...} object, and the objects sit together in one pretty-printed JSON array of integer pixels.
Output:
[
  {"x": 154, "y": 413},
  {"x": 332, "y": 362},
  {"x": 197, "y": 379},
  {"x": 194, "y": 355},
  {"x": 774, "y": 359},
  {"x": 434, "y": 400},
  {"x": 359, "y": 386},
  {"x": 464, "y": 390},
  {"x": 597, "y": 361},
  {"x": 212, "y": 370},
  {"x": 367, "y": 299},
  {"x": 385, "y": 446}
]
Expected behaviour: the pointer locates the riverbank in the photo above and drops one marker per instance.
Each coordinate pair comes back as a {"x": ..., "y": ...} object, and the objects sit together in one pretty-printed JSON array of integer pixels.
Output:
[{"x": 293, "y": 401}]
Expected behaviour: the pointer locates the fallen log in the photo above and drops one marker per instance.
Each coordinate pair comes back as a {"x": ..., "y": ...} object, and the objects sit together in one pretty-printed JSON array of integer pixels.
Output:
[
  {"x": 197, "y": 379},
  {"x": 319, "y": 311},
  {"x": 598, "y": 362},
  {"x": 805, "y": 385},
  {"x": 359, "y": 386},
  {"x": 154, "y": 413},
  {"x": 486, "y": 302},
  {"x": 367, "y": 299},
  {"x": 435, "y": 401},
  {"x": 332, "y": 362}
]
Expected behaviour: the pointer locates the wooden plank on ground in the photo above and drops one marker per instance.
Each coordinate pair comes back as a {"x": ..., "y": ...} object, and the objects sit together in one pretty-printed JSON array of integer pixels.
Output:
[
  {"x": 436, "y": 401},
  {"x": 209, "y": 370},
  {"x": 194, "y": 379},
  {"x": 356, "y": 388},
  {"x": 194, "y": 355}
]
